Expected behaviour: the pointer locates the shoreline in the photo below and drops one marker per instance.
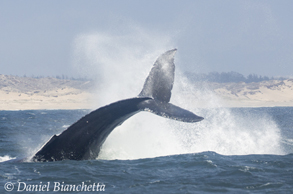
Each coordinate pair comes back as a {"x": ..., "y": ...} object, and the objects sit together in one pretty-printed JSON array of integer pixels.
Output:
[
  {"x": 73, "y": 104},
  {"x": 84, "y": 100},
  {"x": 25, "y": 93},
  {"x": 21, "y": 93},
  {"x": 17, "y": 101}
]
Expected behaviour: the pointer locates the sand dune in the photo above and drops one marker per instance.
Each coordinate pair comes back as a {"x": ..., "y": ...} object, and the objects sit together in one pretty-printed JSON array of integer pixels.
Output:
[
  {"x": 22, "y": 93},
  {"x": 261, "y": 94}
]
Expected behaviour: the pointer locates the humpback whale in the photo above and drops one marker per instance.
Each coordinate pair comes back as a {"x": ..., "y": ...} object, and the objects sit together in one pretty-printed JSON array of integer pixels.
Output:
[{"x": 83, "y": 139}]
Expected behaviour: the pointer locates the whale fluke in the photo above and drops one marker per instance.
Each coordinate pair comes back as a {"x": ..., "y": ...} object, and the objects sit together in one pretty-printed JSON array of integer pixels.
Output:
[
  {"x": 169, "y": 110},
  {"x": 158, "y": 86},
  {"x": 83, "y": 139},
  {"x": 159, "y": 83}
]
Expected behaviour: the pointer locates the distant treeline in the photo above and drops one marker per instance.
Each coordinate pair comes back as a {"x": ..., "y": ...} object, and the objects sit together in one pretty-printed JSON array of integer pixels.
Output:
[
  {"x": 226, "y": 77},
  {"x": 62, "y": 77}
]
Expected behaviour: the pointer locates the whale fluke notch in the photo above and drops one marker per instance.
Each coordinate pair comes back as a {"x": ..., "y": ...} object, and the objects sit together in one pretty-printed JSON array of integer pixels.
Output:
[{"x": 83, "y": 139}]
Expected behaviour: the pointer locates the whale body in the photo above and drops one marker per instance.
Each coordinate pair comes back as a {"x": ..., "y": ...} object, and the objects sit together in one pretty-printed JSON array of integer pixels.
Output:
[{"x": 83, "y": 139}]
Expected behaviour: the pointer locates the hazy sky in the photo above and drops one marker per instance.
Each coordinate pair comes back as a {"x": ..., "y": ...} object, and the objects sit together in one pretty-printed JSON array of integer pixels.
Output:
[{"x": 46, "y": 37}]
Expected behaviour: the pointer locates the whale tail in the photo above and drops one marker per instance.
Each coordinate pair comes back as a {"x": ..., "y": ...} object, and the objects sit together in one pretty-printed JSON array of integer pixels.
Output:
[
  {"x": 158, "y": 86},
  {"x": 83, "y": 139}
]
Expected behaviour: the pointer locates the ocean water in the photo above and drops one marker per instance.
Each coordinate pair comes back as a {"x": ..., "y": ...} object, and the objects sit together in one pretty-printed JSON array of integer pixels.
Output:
[{"x": 237, "y": 150}]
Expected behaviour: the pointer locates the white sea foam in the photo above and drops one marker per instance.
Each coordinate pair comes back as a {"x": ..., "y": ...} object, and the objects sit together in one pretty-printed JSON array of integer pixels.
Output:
[{"x": 6, "y": 158}]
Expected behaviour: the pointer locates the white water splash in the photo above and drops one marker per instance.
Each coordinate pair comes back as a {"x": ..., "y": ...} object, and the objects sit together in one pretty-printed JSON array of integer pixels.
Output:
[
  {"x": 223, "y": 130},
  {"x": 119, "y": 63},
  {"x": 6, "y": 158},
  {"x": 123, "y": 63},
  {"x": 146, "y": 135}
]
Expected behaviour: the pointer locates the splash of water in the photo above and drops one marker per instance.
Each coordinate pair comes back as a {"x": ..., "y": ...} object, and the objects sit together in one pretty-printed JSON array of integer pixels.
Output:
[
  {"x": 224, "y": 131},
  {"x": 122, "y": 68},
  {"x": 117, "y": 63},
  {"x": 6, "y": 158}
]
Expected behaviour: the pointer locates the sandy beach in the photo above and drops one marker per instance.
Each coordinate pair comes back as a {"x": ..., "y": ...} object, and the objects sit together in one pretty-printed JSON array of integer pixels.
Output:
[
  {"x": 24, "y": 93},
  {"x": 261, "y": 94},
  {"x": 21, "y": 93}
]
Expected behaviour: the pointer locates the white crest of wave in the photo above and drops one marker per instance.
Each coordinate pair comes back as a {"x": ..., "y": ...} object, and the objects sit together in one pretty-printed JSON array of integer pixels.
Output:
[
  {"x": 121, "y": 65},
  {"x": 6, "y": 158}
]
